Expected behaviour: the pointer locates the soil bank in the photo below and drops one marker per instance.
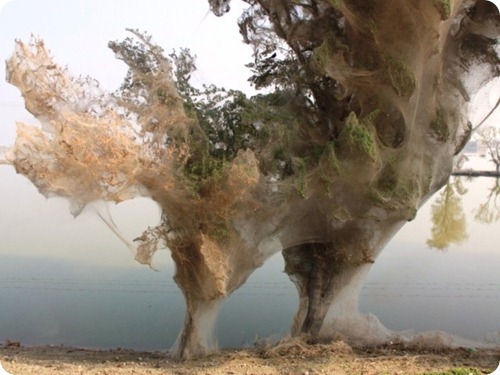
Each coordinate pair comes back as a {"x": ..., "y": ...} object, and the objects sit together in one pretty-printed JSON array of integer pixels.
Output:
[{"x": 292, "y": 357}]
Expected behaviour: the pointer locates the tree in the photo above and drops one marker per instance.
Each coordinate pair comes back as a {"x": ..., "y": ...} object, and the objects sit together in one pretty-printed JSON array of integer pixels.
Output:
[
  {"x": 391, "y": 102},
  {"x": 490, "y": 137},
  {"x": 366, "y": 108}
]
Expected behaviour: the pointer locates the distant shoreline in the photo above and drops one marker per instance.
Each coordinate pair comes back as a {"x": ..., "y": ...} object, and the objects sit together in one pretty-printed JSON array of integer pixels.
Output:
[{"x": 475, "y": 173}]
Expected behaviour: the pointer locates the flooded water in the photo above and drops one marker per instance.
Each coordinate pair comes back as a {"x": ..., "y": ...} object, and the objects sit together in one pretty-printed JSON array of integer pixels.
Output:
[{"x": 46, "y": 299}]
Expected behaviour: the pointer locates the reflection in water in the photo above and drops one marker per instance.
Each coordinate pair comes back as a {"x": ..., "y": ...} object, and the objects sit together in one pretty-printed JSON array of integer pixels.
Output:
[
  {"x": 489, "y": 211},
  {"x": 449, "y": 225},
  {"x": 448, "y": 218}
]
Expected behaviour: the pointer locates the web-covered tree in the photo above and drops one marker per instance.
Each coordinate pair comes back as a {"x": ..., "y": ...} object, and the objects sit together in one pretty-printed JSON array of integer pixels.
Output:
[
  {"x": 366, "y": 108},
  {"x": 380, "y": 89}
]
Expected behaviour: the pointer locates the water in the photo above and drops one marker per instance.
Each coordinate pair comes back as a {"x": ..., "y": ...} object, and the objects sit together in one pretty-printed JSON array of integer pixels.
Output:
[{"x": 50, "y": 300}]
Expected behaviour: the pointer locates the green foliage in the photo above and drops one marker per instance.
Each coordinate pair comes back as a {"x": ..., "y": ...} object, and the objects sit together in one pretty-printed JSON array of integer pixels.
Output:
[
  {"x": 301, "y": 177},
  {"x": 360, "y": 135},
  {"x": 219, "y": 113},
  {"x": 400, "y": 76},
  {"x": 184, "y": 66},
  {"x": 444, "y": 8},
  {"x": 227, "y": 122},
  {"x": 268, "y": 70},
  {"x": 329, "y": 165},
  {"x": 323, "y": 54},
  {"x": 394, "y": 190},
  {"x": 201, "y": 169},
  {"x": 337, "y": 4},
  {"x": 400, "y": 197},
  {"x": 389, "y": 178},
  {"x": 218, "y": 230},
  {"x": 439, "y": 126},
  {"x": 145, "y": 61}
]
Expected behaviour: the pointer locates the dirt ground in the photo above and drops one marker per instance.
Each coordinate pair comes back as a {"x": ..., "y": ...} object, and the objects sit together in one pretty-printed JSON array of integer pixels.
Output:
[{"x": 290, "y": 357}]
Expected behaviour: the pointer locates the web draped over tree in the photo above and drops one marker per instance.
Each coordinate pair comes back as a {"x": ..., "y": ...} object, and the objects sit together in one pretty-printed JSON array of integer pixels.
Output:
[{"x": 365, "y": 108}]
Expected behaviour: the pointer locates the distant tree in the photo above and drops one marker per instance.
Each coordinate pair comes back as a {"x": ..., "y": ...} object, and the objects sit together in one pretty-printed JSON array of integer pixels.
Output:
[
  {"x": 364, "y": 112},
  {"x": 490, "y": 137}
]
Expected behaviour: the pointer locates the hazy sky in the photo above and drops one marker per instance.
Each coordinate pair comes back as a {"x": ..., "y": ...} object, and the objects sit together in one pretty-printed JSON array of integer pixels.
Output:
[{"x": 77, "y": 33}]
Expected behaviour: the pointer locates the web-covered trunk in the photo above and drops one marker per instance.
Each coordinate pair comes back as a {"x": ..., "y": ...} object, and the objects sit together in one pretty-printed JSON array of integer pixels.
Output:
[
  {"x": 329, "y": 277},
  {"x": 317, "y": 271},
  {"x": 198, "y": 334},
  {"x": 207, "y": 276}
]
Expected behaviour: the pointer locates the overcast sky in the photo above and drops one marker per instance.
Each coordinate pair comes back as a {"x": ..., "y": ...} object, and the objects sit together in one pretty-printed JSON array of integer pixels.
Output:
[{"x": 77, "y": 33}]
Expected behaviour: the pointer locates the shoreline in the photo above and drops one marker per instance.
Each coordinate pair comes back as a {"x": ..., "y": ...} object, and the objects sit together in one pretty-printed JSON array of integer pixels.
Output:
[
  {"x": 291, "y": 356},
  {"x": 475, "y": 173}
]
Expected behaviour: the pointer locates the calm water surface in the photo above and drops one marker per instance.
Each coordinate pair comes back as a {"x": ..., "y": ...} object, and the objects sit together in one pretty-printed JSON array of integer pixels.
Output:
[{"x": 44, "y": 300}]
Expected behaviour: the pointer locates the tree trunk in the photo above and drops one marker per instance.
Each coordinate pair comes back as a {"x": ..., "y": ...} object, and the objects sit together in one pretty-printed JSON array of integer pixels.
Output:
[
  {"x": 198, "y": 335},
  {"x": 318, "y": 272},
  {"x": 207, "y": 275},
  {"x": 307, "y": 267},
  {"x": 329, "y": 277}
]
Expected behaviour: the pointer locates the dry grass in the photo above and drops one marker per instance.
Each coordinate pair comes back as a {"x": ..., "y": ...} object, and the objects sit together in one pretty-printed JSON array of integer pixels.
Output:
[{"x": 292, "y": 356}]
